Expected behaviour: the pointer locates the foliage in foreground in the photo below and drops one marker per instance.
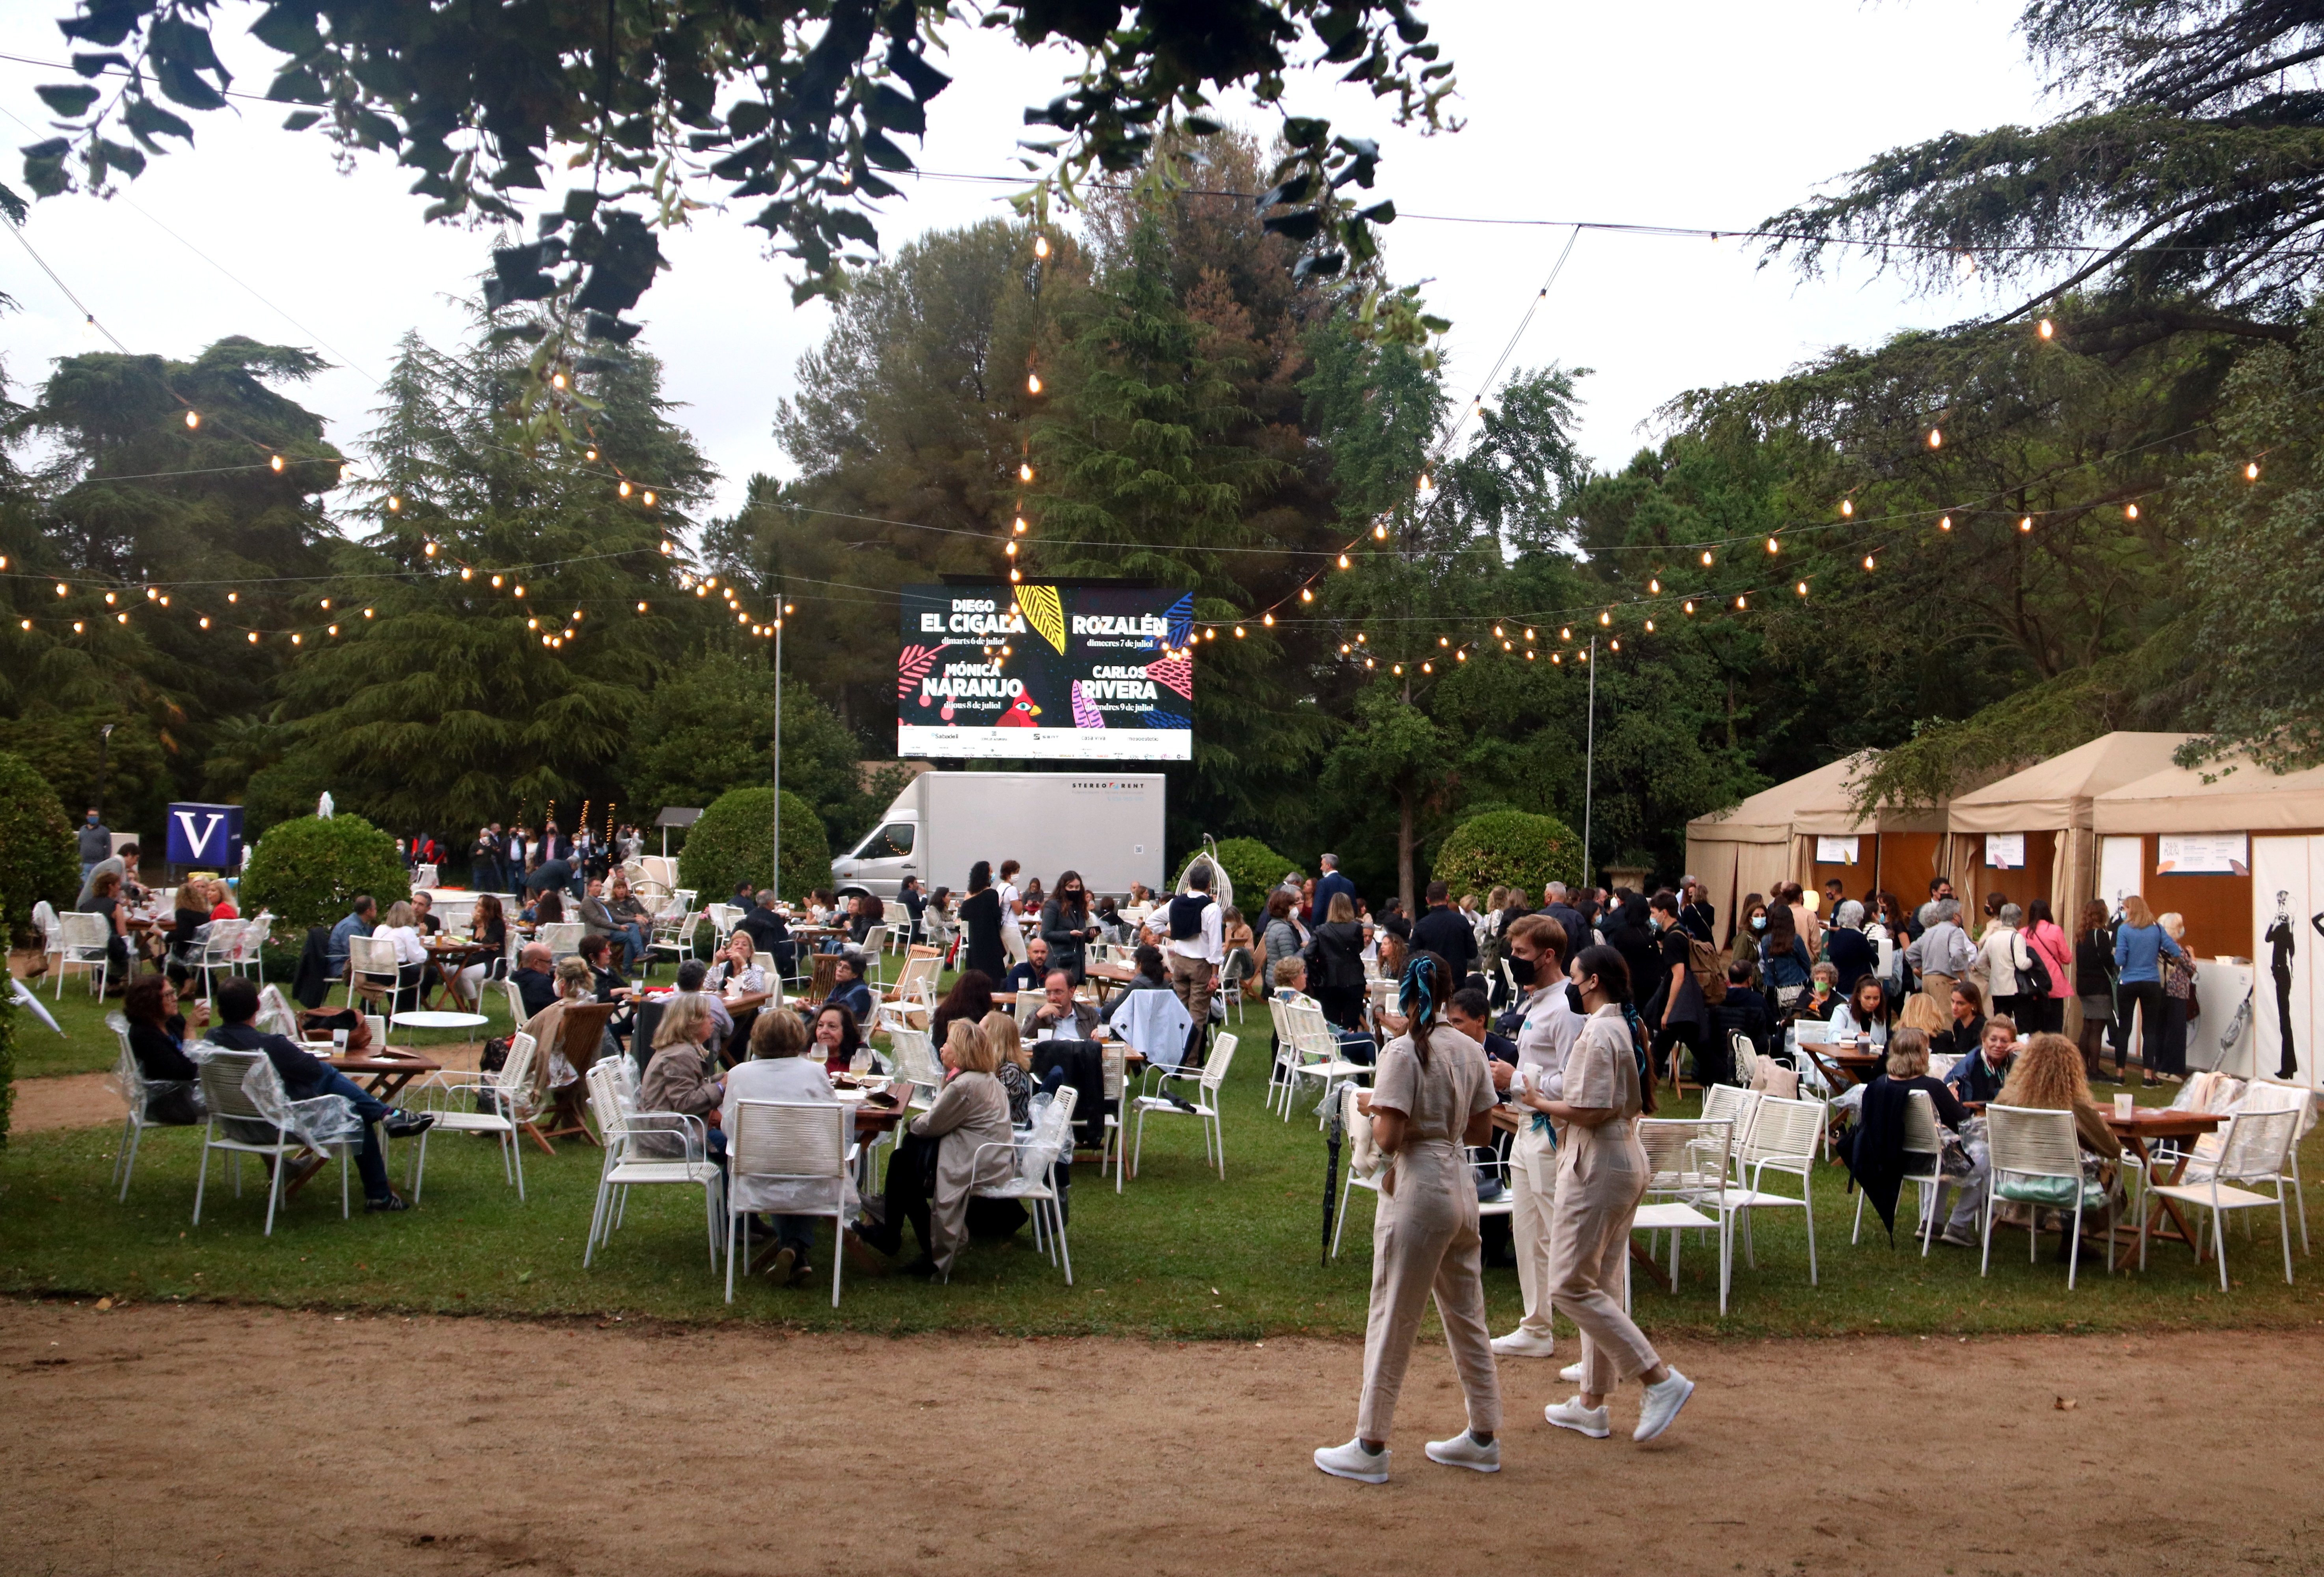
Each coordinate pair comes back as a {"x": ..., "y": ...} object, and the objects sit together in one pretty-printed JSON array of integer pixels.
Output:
[{"x": 38, "y": 857}]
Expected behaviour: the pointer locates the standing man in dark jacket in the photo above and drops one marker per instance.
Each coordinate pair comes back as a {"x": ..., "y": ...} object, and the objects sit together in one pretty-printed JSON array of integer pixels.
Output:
[
  {"x": 304, "y": 1078},
  {"x": 1328, "y": 883},
  {"x": 96, "y": 844},
  {"x": 1446, "y": 931}
]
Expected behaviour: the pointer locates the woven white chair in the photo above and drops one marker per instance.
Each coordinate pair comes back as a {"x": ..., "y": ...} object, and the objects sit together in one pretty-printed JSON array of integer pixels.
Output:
[
  {"x": 874, "y": 950},
  {"x": 1922, "y": 1139},
  {"x": 1034, "y": 1182},
  {"x": 2250, "y": 1159},
  {"x": 634, "y": 1156},
  {"x": 1113, "y": 1069},
  {"x": 673, "y": 934},
  {"x": 2266, "y": 1094},
  {"x": 238, "y": 1125},
  {"x": 1784, "y": 1138},
  {"x": 44, "y": 920},
  {"x": 561, "y": 938},
  {"x": 2037, "y": 1162},
  {"x": 1364, "y": 1168},
  {"x": 517, "y": 1014},
  {"x": 1688, "y": 1160},
  {"x": 497, "y": 1103},
  {"x": 916, "y": 985},
  {"x": 724, "y": 918},
  {"x": 373, "y": 969},
  {"x": 1317, "y": 1043},
  {"x": 250, "y": 947},
  {"x": 805, "y": 1143},
  {"x": 912, "y": 1058},
  {"x": 1154, "y": 1101},
  {"x": 84, "y": 939}
]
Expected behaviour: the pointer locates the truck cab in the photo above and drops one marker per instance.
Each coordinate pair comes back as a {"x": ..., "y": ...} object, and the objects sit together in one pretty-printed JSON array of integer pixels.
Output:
[{"x": 878, "y": 865}]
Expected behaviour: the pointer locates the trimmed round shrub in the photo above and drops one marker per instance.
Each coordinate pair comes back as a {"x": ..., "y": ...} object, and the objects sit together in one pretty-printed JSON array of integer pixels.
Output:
[
  {"x": 1253, "y": 868},
  {"x": 730, "y": 844},
  {"x": 1512, "y": 846},
  {"x": 38, "y": 857},
  {"x": 308, "y": 869}
]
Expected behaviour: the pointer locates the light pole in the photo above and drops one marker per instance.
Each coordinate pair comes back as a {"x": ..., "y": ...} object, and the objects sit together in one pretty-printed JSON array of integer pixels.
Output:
[
  {"x": 1589, "y": 770},
  {"x": 776, "y": 877},
  {"x": 104, "y": 740}
]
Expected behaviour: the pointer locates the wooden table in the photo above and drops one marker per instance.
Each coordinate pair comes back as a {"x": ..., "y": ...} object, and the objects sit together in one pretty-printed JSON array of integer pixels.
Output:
[
  {"x": 450, "y": 957},
  {"x": 387, "y": 1068},
  {"x": 1119, "y": 973},
  {"x": 1843, "y": 1066},
  {"x": 2160, "y": 1122}
]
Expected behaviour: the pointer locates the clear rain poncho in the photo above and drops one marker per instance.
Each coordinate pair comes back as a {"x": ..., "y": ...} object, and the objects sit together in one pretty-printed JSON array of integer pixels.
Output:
[{"x": 319, "y": 1121}]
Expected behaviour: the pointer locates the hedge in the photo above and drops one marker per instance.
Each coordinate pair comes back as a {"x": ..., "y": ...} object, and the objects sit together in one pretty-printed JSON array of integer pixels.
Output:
[
  {"x": 37, "y": 856},
  {"x": 729, "y": 845},
  {"x": 307, "y": 870},
  {"x": 1514, "y": 847},
  {"x": 1254, "y": 869}
]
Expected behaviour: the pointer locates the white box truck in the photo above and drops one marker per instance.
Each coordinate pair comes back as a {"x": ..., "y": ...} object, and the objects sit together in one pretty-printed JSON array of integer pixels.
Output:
[{"x": 1106, "y": 825}]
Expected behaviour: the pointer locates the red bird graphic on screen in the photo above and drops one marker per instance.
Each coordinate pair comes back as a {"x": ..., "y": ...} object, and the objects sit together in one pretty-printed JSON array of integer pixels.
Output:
[{"x": 1020, "y": 715}]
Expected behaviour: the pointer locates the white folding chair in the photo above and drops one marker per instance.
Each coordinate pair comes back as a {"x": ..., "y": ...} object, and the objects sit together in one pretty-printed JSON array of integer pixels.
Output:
[
  {"x": 1318, "y": 1042},
  {"x": 673, "y": 934},
  {"x": 2250, "y": 1159},
  {"x": 916, "y": 985},
  {"x": 129, "y": 1081},
  {"x": 1921, "y": 1138},
  {"x": 222, "y": 1074},
  {"x": 497, "y": 1103},
  {"x": 1687, "y": 1162},
  {"x": 873, "y": 951},
  {"x": 373, "y": 969},
  {"x": 2037, "y": 1162},
  {"x": 1113, "y": 1068},
  {"x": 84, "y": 939},
  {"x": 634, "y": 1156},
  {"x": 1784, "y": 1138},
  {"x": 806, "y": 1143},
  {"x": 2266, "y": 1094},
  {"x": 1206, "y": 1080},
  {"x": 1034, "y": 1181}
]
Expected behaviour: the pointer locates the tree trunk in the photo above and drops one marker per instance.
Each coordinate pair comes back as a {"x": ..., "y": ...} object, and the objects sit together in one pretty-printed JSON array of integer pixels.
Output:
[{"x": 1403, "y": 842}]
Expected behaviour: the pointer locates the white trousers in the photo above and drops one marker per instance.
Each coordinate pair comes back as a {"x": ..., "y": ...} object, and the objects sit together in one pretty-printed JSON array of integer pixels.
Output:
[{"x": 1533, "y": 1194}]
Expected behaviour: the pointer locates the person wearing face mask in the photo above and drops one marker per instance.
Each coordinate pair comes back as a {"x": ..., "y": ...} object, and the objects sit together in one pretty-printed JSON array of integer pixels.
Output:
[
  {"x": 1546, "y": 1033},
  {"x": 1750, "y": 926},
  {"x": 1676, "y": 1014}
]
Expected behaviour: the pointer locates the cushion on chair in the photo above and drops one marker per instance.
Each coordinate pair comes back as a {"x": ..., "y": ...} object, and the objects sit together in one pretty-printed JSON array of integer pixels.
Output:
[{"x": 2057, "y": 1192}]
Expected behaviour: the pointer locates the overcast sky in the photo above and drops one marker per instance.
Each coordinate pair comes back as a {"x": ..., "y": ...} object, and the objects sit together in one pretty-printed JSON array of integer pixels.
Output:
[{"x": 1682, "y": 113}]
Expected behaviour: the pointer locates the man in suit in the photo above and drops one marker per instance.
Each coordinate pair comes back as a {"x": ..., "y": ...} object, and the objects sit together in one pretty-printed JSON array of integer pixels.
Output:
[
  {"x": 1557, "y": 903},
  {"x": 1446, "y": 931},
  {"x": 1331, "y": 882},
  {"x": 304, "y": 1077}
]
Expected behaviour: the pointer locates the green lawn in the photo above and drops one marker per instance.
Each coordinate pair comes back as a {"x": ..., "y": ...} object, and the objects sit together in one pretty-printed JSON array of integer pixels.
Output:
[{"x": 1180, "y": 1254}]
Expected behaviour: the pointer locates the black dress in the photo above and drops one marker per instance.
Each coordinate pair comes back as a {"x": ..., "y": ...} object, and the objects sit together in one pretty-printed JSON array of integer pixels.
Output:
[{"x": 980, "y": 917}]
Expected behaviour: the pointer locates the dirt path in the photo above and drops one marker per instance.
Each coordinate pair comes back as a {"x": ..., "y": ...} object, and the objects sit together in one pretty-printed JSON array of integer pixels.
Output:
[{"x": 167, "y": 1439}]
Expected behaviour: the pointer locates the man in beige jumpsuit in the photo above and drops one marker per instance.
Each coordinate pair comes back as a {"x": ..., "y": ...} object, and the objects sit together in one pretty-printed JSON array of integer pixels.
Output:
[
  {"x": 1424, "y": 1236},
  {"x": 1534, "y": 945}
]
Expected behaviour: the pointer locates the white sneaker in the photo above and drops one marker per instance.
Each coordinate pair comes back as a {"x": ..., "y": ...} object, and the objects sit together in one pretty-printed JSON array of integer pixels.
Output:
[
  {"x": 1351, "y": 1460},
  {"x": 1571, "y": 1415},
  {"x": 1524, "y": 1343},
  {"x": 1570, "y": 1374},
  {"x": 1661, "y": 1406},
  {"x": 1464, "y": 1450}
]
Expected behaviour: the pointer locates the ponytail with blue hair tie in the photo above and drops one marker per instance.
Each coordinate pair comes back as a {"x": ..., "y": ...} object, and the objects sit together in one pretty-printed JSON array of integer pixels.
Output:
[{"x": 1417, "y": 1000}]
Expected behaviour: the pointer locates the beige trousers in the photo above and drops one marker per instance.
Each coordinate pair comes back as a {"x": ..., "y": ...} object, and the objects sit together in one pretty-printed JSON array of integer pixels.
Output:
[
  {"x": 1533, "y": 1194},
  {"x": 1191, "y": 979},
  {"x": 1601, "y": 1177},
  {"x": 1424, "y": 1240},
  {"x": 1939, "y": 988}
]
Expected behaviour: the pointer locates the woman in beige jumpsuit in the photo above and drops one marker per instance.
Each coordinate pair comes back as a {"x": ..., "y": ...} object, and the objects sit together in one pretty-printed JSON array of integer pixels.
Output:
[
  {"x": 1432, "y": 1095},
  {"x": 1601, "y": 1177}
]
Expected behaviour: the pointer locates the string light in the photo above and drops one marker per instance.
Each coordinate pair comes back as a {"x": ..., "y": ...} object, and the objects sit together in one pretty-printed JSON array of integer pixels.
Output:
[
  {"x": 1528, "y": 635},
  {"x": 108, "y": 599},
  {"x": 1945, "y": 524},
  {"x": 1018, "y": 525},
  {"x": 1605, "y": 618},
  {"x": 2046, "y": 328},
  {"x": 1650, "y": 626},
  {"x": 429, "y": 549},
  {"x": 254, "y": 635},
  {"x": 1802, "y": 588},
  {"x": 1267, "y": 619},
  {"x": 79, "y": 628},
  {"x": 206, "y": 621},
  {"x": 234, "y": 597},
  {"x": 150, "y": 595},
  {"x": 1010, "y": 549},
  {"x": 1013, "y": 575},
  {"x": 1867, "y": 563},
  {"x": 276, "y": 462},
  {"x": 1690, "y": 605},
  {"x": 556, "y": 380},
  {"x": 2251, "y": 471},
  {"x": 394, "y": 504},
  {"x": 590, "y": 454},
  {"x": 1461, "y": 656},
  {"x": 1741, "y": 603},
  {"x": 122, "y": 618},
  {"x": 1024, "y": 471},
  {"x": 1032, "y": 382},
  {"x": 532, "y": 623},
  {"x": 1654, "y": 586},
  {"x": 28, "y": 624},
  {"x": 642, "y": 607},
  {"x": 1426, "y": 486},
  {"x": 1397, "y": 669},
  {"x": 1379, "y": 532},
  {"x": 520, "y": 591},
  {"x": 295, "y": 638},
  {"x": 368, "y": 612},
  {"x": 624, "y": 489},
  {"x": 648, "y": 500},
  {"x": 466, "y": 573},
  {"x": 1304, "y": 595},
  {"x": 1617, "y": 643},
  {"x": 1556, "y": 657},
  {"x": 1344, "y": 561},
  {"x": 1428, "y": 667},
  {"x": 1529, "y": 656},
  {"x": 2027, "y": 524},
  {"x": 496, "y": 583},
  {"x": 193, "y": 419},
  {"x": 1847, "y": 508},
  {"x": 334, "y": 629},
  {"x": 1441, "y": 640},
  {"x": 1345, "y": 649},
  {"x": 2130, "y": 511},
  {"x": 1936, "y": 439},
  {"x": 1238, "y": 632},
  {"x": 1706, "y": 558},
  {"x": 1771, "y": 546},
  {"x": 1041, "y": 247}
]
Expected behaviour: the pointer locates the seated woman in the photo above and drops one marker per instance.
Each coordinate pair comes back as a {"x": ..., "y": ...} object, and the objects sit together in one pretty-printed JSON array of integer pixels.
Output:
[
  {"x": 488, "y": 923},
  {"x": 970, "y": 1000},
  {"x": 158, "y": 1039},
  {"x": 186, "y": 923},
  {"x": 1240, "y": 947},
  {"x": 1874, "y": 1149},
  {"x": 1823, "y": 998},
  {"x": 631, "y": 920},
  {"x": 777, "y": 1071},
  {"x": 1013, "y": 1065},
  {"x": 836, "y": 1038},
  {"x": 105, "y": 899},
  {"x": 847, "y": 987},
  {"x": 221, "y": 902},
  {"x": 1864, "y": 1013},
  {"x": 679, "y": 1077},
  {"x": 1291, "y": 986},
  {"x": 399, "y": 925},
  {"x": 2047, "y": 1072},
  {"x": 557, "y": 1075},
  {"x": 549, "y": 909},
  {"x": 736, "y": 967},
  {"x": 938, "y": 1163}
]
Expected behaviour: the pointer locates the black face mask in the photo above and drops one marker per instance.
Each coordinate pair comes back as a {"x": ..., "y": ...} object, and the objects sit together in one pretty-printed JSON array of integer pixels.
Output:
[
  {"x": 1521, "y": 969},
  {"x": 1574, "y": 999}
]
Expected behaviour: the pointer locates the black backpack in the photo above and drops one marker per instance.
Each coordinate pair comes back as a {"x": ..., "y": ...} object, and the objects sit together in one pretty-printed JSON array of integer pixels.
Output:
[{"x": 2033, "y": 979}]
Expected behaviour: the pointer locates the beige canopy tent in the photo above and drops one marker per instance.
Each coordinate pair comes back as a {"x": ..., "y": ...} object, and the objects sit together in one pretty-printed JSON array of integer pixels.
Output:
[
  {"x": 2242, "y": 797},
  {"x": 1807, "y": 830},
  {"x": 2031, "y": 835}
]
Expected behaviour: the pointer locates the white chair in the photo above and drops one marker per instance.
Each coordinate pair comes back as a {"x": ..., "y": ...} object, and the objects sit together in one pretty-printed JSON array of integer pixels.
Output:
[
  {"x": 874, "y": 950},
  {"x": 224, "y": 1076},
  {"x": 2250, "y": 1159},
  {"x": 1317, "y": 1044},
  {"x": 44, "y": 918},
  {"x": 724, "y": 918},
  {"x": 673, "y": 935},
  {"x": 1687, "y": 1172},
  {"x": 629, "y": 1159},
  {"x": 561, "y": 938},
  {"x": 250, "y": 947},
  {"x": 1034, "y": 1182},
  {"x": 1747, "y": 1060},
  {"x": 372, "y": 968},
  {"x": 805, "y": 1143},
  {"x": 2037, "y": 1162},
  {"x": 86, "y": 940},
  {"x": 497, "y": 1103},
  {"x": 912, "y": 1058},
  {"x": 1922, "y": 1139},
  {"x": 1207, "y": 1081},
  {"x": 130, "y": 1083},
  {"x": 423, "y": 878},
  {"x": 1232, "y": 977},
  {"x": 2266, "y": 1094},
  {"x": 1364, "y": 1168},
  {"x": 1785, "y": 1137},
  {"x": 220, "y": 952},
  {"x": 1113, "y": 1070},
  {"x": 917, "y": 984},
  {"x": 1028, "y": 1003}
]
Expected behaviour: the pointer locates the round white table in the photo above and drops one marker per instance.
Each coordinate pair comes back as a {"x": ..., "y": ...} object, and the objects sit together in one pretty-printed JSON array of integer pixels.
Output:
[{"x": 432, "y": 1021}]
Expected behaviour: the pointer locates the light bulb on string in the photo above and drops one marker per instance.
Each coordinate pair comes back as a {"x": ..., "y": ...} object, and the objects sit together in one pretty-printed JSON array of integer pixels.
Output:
[
  {"x": 589, "y": 455},
  {"x": 1267, "y": 619},
  {"x": 1497, "y": 631},
  {"x": 1936, "y": 438},
  {"x": 1397, "y": 669},
  {"x": 1024, "y": 471},
  {"x": 193, "y": 419},
  {"x": 1945, "y": 524},
  {"x": 1867, "y": 563},
  {"x": 649, "y": 499},
  {"x": 1238, "y": 632},
  {"x": 79, "y": 628},
  {"x": 624, "y": 488},
  {"x": 1565, "y": 633},
  {"x": 394, "y": 504},
  {"x": 1556, "y": 657},
  {"x": 2251, "y": 471},
  {"x": 205, "y": 620},
  {"x": 1690, "y": 605},
  {"x": 519, "y": 591},
  {"x": 108, "y": 599},
  {"x": 1428, "y": 486},
  {"x": 1369, "y": 663},
  {"x": 1654, "y": 586},
  {"x": 1345, "y": 649},
  {"x": 1211, "y": 634},
  {"x": 1018, "y": 525},
  {"x": 1379, "y": 532},
  {"x": 1742, "y": 601},
  {"x": 1706, "y": 558},
  {"x": 1344, "y": 561},
  {"x": 2046, "y": 328},
  {"x": 165, "y": 599},
  {"x": 276, "y": 462},
  {"x": 1359, "y": 638},
  {"x": 234, "y": 597},
  {"x": 428, "y": 549},
  {"x": 532, "y": 623},
  {"x": 2130, "y": 511},
  {"x": 1582, "y": 656},
  {"x": 295, "y": 638},
  {"x": 368, "y": 612},
  {"x": 1011, "y": 550},
  {"x": 1462, "y": 655},
  {"x": 642, "y": 607},
  {"x": 1772, "y": 546},
  {"x": 556, "y": 380},
  {"x": 1802, "y": 588},
  {"x": 496, "y": 583},
  {"x": 150, "y": 595},
  {"x": 1528, "y": 635},
  {"x": 1605, "y": 618},
  {"x": 1441, "y": 640},
  {"x": 1650, "y": 626},
  {"x": 1032, "y": 382},
  {"x": 334, "y": 629},
  {"x": 1304, "y": 595},
  {"x": 466, "y": 573},
  {"x": 27, "y": 623},
  {"x": 1529, "y": 657},
  {"x": 1847, "y": 508},
  {"x": 253, "y": 637},
  {"x": 1428, "y": 667},
  {"x": 2026, "y": 524},
  {"x": 60, "y": 588},
  {"x": 1013, "y": 575},
  {"x": 1509, "y": 646},
  {"x": 1617, "y": 643},
  {"x": 121, "y": 618},
  {"x": 1041, "y": 247}
]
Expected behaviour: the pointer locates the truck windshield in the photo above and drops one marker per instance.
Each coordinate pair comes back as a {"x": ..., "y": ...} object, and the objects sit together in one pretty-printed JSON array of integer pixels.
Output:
[{"x": 891, "y": 842}]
